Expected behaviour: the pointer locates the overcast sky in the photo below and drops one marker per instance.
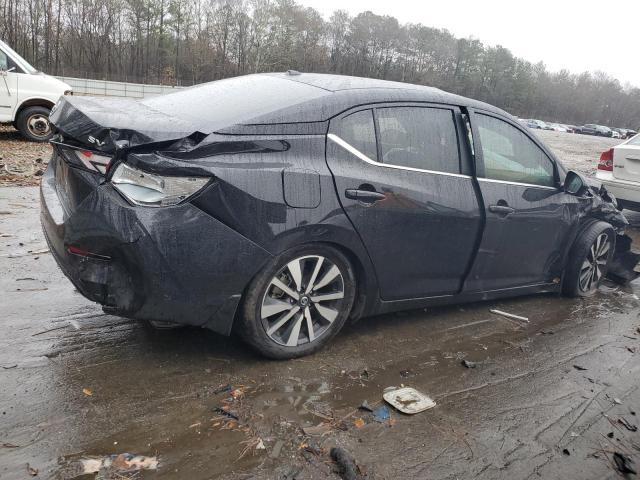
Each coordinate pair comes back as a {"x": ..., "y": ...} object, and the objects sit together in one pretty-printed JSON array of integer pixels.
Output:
[{"x": 577, "y": 35}]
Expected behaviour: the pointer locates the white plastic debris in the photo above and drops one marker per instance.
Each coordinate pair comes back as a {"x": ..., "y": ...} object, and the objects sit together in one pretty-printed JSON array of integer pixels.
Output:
[
  {"x": 125, "y": 462},
  {"x": 509, "y": 315},
  {"x": 408, "y": 400}
]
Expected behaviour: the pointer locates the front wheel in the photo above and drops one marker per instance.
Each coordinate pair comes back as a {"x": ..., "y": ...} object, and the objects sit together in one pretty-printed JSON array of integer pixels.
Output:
[
  {"x": 588, "y": 260},
  {"x": 298, "y": 302},
  {"x": 33, "y": 123}
]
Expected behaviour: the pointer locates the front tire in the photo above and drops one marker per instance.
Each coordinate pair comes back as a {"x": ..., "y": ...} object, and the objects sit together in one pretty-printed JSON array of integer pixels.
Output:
[
  {"x": 589, "y": 260},
  {"x": 298, "y": 302},
  {"x": 33, "y": 123}
]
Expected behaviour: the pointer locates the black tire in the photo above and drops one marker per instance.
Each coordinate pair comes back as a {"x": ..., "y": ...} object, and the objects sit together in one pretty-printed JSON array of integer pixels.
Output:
[
  {"x": 33, "y": 124},
  {"x": 576, "y": 281},
  {"x": 251, "y": 325}
]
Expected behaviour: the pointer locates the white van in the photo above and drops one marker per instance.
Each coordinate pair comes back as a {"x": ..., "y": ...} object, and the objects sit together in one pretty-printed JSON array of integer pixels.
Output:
[{"x": 27, "y": 95}]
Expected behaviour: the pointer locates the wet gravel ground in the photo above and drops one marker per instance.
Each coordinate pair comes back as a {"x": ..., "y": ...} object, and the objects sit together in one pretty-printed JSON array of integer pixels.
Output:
[
  {"x": 21, "y": 162},
  {"x": 548, "y": 398}
]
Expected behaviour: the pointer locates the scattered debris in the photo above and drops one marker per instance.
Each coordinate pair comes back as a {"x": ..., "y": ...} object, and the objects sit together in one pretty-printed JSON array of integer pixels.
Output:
[
  {"x": 320, "y": 429},
  {"x": 580, "y": 367},
  {"x": 469, "y": 364},
  {"x": 610, "y": 434},
  {"x": 547, "y": 332},
  {"x": 381, "y": 414},
  {"x": 9, "y": 367},
  {"x": 260, "y": 445},
  {"x": 347, "y": 468},
  {"x": 359, "y": 423},
  {"x": 624, "y": 464},
  {"x": 617, "y": 401},
  {"x": 225, "y": 412},
  {"x": 225, "y": 388},
  {"x": 9, "y": 445},
  {"x": 124, "y": 462},
  {"x": 87, "y": 392},
  {"x": 277, "y": 448},
  {"x": 629, "y": 426},
  {"x": 32, "y": 471},
  {"x": 566, "y": 452},
  {"x": 509, "y": 315},
  {"x": 409, "y": 400},
  {"x": 365, "y": 406}
]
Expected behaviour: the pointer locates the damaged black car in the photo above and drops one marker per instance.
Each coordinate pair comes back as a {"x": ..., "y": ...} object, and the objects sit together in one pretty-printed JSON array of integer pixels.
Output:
[{"x": 282, "y": 205}]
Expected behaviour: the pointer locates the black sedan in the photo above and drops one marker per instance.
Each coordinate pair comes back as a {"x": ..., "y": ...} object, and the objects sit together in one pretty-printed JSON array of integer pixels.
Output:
[{"x": 283, "y": 205}]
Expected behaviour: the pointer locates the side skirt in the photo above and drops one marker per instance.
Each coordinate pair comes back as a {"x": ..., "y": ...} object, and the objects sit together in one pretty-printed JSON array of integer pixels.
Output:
[{"x": 414, "y": 303}]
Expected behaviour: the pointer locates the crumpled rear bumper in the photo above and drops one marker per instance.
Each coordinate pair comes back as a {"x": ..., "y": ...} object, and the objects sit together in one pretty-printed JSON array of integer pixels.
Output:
[{"x": 175, "y": 264}]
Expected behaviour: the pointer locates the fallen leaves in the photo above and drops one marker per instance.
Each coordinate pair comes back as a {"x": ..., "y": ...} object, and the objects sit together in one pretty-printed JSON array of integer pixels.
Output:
[{"x": 87, "y": 392}]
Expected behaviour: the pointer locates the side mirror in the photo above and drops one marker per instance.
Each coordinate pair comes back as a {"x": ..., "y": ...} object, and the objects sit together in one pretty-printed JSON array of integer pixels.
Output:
[
  {"x": 574, "y": 183},
  {"x": 4, "y": 72}
]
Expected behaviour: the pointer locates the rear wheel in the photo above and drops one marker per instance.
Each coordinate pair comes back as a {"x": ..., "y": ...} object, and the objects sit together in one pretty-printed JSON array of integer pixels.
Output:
[
  {"x": 299, "y": 301},
  {"x": 588, "y": 260},
  {"x": 33, "y": 123}
]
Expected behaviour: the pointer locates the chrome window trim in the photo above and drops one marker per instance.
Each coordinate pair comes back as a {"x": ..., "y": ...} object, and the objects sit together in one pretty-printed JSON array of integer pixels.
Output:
[
  {"x": 493, "y": 180},
  {"x": 351, "y": 149}
]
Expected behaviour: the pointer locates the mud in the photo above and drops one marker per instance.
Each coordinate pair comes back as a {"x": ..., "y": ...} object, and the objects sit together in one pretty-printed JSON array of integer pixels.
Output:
[{"x": 77, "y": 384}]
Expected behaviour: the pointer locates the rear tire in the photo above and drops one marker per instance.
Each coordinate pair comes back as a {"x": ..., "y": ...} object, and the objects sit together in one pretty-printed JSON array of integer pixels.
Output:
[
  {"x": 33, "y": 123},
  {"x": 588, "y": 260},
  {"x": 298, "y": 302}
]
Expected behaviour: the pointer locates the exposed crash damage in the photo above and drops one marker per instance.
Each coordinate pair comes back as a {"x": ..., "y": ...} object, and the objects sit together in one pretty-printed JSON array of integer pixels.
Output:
[{"x": 292, "y": 202}]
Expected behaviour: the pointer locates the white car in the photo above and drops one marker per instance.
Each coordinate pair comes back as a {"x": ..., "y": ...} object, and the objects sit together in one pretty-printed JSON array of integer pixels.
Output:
[
  {"x": 619, "y": 172},
  {"x": 27, "y": 95},
  {"x": 557, "y": 127}
]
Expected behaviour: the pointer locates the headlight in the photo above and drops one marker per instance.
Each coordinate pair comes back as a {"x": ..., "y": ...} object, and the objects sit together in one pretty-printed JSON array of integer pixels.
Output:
[{"x": 151, "y": 190}]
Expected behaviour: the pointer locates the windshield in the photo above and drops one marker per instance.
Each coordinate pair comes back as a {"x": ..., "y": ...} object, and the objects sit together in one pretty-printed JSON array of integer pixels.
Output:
[{"x": 22, "y": 63}]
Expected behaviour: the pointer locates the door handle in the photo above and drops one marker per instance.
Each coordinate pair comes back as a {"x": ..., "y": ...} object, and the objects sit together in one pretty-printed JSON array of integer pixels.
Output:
[
  {"x": 366, "y": 196},
  {"x": 501, "y": 209}
]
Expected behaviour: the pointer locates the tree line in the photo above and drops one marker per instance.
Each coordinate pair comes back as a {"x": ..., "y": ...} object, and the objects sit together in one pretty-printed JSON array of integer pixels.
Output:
[{"x": 185, "y": 42}]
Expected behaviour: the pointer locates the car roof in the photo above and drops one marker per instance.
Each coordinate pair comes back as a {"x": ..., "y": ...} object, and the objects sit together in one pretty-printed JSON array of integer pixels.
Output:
[
  {"x": 270, "y": 99},
  {"x": 348, "y": 91}
]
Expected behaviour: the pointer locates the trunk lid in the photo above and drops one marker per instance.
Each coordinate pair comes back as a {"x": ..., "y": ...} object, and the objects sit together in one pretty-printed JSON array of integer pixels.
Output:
[{"x": 109, "y": 124}]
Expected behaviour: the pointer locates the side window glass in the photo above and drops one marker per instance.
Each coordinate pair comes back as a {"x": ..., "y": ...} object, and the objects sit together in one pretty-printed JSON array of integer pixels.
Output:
[
  {"x": 4, "y": 61},
  {"x": 419, "y": 137},
  {"x": 358, "y": 131},
  {"x": 510, "y": 155}
]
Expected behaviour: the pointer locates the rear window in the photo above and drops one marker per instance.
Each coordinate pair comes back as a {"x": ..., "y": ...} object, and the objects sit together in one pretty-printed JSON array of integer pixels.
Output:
[{"x": 234, "y": 101}]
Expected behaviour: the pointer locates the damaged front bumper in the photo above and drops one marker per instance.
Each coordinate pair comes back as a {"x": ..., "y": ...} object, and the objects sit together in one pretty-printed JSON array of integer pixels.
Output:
[{"x": 175, "y": 264}]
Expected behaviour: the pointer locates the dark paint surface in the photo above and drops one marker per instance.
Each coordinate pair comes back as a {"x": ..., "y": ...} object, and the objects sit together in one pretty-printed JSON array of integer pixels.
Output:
[
  {"x": 191, "y": 263},
  {"x": 525, "y": 247}
]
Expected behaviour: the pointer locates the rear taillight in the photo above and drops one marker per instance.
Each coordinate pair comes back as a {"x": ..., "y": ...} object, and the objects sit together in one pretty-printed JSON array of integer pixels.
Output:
[
  {"x": 99, "y": 163},
  {"x": 606, "y": 161}
]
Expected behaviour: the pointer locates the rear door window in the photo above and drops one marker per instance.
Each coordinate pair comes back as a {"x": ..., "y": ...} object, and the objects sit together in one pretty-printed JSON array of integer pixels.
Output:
[
  {"x": 510, "y": 155},
  {"x": 418, "y": 137},
  {"x": 358, "y": 130}
]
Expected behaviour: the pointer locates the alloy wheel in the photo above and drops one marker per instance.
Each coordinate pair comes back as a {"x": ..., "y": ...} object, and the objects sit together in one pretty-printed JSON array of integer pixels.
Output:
[
  {"x": 594, "y": 264},
  {"x": 302, "y": 300},
  {"x": 39, "y": 125}
]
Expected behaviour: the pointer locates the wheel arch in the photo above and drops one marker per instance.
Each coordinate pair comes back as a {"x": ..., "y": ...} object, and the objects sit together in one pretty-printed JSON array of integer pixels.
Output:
[{"x": 34, "y": 102}]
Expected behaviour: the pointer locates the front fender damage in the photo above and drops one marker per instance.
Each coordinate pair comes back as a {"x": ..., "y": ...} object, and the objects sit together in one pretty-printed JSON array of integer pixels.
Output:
[{"x": 603, "y": 206}]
